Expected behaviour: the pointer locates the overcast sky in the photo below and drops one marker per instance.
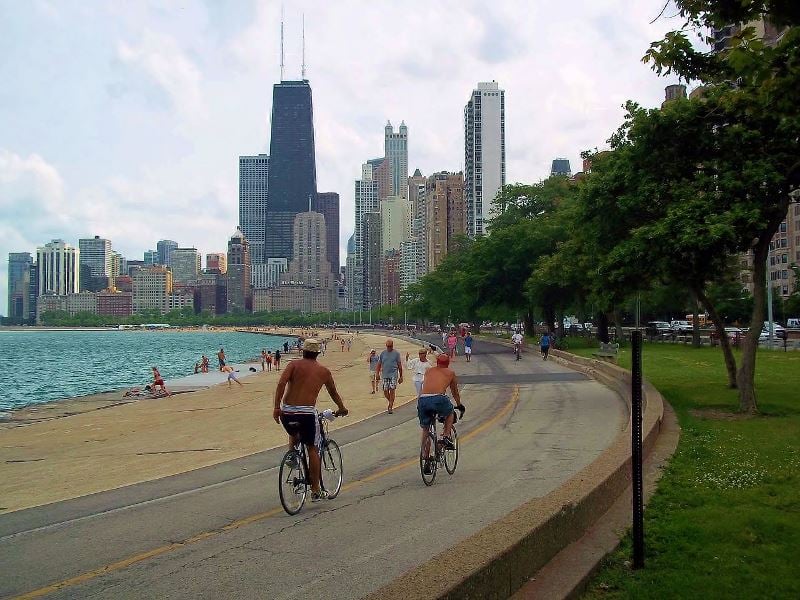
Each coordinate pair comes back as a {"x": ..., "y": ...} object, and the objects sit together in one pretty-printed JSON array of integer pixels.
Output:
[{"x": 126, "y": 119}]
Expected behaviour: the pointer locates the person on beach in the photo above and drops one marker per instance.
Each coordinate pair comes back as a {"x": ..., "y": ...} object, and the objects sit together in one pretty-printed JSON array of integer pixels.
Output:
[
  {"x": 544, "y": 345},
  {"x": 158, "y": 382},
  {"x": 196, "y": 368},
  {"x": 391, "y": 365},
  {"x": 372, "y": 360},
  {"x": 277, "y": 360},
  {"x": 433, "y": 402},
  {"x": 468, "y": 346},
  {"x": 221, "y": 358},
  {"x": 349, "y": 344},
  {"x": 295, "y": 407},
  {"x": 204, "y": 364},
  {"x": 285, "y": 347},
  {"x": 418, "y": 366},
  {"x": 263, "y": 359},
  {"x": 270, "y": 358},
  {"x": 231, "y": 375}
]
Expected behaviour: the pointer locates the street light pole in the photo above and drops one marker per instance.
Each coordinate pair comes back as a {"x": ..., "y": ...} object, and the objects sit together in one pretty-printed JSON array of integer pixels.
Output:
[{"x": 769, "y": 299}]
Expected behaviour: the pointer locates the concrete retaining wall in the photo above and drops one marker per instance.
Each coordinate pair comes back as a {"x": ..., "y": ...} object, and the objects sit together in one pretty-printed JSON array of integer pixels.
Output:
[{"x": 496, "y": 561}]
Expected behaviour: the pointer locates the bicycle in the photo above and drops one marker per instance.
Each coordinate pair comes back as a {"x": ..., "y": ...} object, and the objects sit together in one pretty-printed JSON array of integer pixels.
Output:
[
  {"x": 518, "y": 351},
  {"x": 442, "y": 456},
  {"x": 293, "y": 476}
]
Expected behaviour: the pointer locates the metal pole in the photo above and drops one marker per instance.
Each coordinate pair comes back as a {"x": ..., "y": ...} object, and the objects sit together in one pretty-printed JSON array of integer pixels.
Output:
[
  {"x": 636, "y": 450},
  {"x": 769, "y": 300}
]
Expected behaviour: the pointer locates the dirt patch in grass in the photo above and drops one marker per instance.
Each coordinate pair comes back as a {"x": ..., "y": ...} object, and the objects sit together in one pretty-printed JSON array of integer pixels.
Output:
[{"x": 718, "y": 414}]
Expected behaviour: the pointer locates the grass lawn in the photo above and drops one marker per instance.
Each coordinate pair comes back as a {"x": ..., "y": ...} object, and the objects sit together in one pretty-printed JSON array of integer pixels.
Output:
[{"x": 725, "y": 521}]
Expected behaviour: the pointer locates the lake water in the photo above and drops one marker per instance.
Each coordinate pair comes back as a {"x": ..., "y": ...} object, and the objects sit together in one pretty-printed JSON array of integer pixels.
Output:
[{"x": 40, "y": 366}]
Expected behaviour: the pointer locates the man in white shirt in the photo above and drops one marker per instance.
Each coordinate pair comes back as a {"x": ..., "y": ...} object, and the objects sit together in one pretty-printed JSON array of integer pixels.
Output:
[
  {"x": 517, "y": 339},
  {"x": 418, "y": 366}
]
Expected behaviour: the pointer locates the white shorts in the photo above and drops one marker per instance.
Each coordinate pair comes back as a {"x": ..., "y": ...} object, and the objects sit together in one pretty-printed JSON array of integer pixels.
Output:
[{"x": 467, "y": 350}]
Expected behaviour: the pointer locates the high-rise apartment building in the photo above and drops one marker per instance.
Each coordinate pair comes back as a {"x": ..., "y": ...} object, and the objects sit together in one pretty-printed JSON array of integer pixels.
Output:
[
  {"x": 59, "y": 271},
  {"x": 292, "y": 179},
  {"x": 165, "y": 249},
  {"x": 390, "y": 278},
  {"x": 395, "y": 222},
  {"x": 560, "y": 167},
  {"x": 33, "y": 292},
  {"x": 19, "y": 283},
  {"x": 350, "y": 268},
  {"x": 372, "y": 260},
  {"x": 366, "y": 202},
  {"x": 185, "y": 266},
  {"x": 253, "y": 188},
  {"x": 152, "y": 287},
  {"x": 217, "y": 261},
  {"x": 381, "y": 175},
  {"x": 150, "y": 257},
  {"x": 327, "y": 203},
  {"x": 239, "y": 294},
  {"x": 396, "y": 152},
  {"x": 484, "y": 154},
  {"x": 95, "y": 263},
  {"x": 211, "y": 293},
  {"x": 446, "y": 215}
]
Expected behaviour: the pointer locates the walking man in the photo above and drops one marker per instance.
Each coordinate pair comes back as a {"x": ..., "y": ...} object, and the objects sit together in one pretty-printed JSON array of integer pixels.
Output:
[
  {"x": 373, "y": 360},
  {"x": 468, "y": 346},
  {"x": 295, "y": 407},
  {"x": 391, "y": 365},
  {"x": 418, "y": 366},
  {"x": 544, "y": 345}
]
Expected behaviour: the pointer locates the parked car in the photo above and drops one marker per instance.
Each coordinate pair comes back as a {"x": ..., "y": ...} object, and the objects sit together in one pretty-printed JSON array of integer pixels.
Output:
[
  {"x": 681, "y": 326},
  {"x": 779, "y": 332},
  {"x": 657, "y": 328},
  {"x": 793, "y": 323}
]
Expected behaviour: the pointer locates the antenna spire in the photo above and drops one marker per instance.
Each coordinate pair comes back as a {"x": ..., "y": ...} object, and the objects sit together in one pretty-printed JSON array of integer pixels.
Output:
[
  {"x": 282, "y": 42},
  {"x": 304, "y": 48}
]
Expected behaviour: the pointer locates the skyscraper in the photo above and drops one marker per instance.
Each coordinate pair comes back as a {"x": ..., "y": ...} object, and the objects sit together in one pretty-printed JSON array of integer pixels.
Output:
[
  {"x": 396, "y": 152},
  {"x": 19, "y": 268},
  {"x": 395, "y": 222},
  {"x": 165, "y": 248},
  {"x": 292, "y": 179},
  {"x": 217, "y": 261},
  {"x": 58, "y": 268},
  {"x": 152, "y": 287},
  {"x": 372, "y": 259},
  {"x": 185, "y": 266},
  {"x": 560, "y": 168},
  {"x": 484, "y": 154},
  {"x": 366, "y": 202},
  {"x": 95, "y": 263},
  {"x": 327, "y": 203},
  {"x": 238, "y": 292},
  {"x": 253, "y": 187},
  {"x": 446, "y": 215},
  {"x": 151, "y": 257}
]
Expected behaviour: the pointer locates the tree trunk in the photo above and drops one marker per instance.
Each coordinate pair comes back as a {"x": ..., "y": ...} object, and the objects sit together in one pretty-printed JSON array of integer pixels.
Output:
[
  {"x": 602, "y": 327},
  {"x": 527, "y": 320},
  {"x": 549, "y": 318},
  {"x": 724, "y": 341},
  {"x": 618, "y": 327},
  {"x": 745, "y": 376},
  {"x": 695, "y": 322}
]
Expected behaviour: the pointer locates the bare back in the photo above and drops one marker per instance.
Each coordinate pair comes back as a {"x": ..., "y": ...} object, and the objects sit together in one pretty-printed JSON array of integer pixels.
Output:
[
  {"x": 438, "y": 379},
  {"x": 305, "y": 378}
]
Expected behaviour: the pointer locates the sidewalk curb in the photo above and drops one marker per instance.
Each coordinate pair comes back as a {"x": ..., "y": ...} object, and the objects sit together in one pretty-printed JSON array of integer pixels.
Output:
[{"x": 498, "y": 560}]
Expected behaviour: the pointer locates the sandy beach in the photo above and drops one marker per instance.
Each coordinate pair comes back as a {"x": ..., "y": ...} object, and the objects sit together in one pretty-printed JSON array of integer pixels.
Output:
[{"x": 76, "y": 447}]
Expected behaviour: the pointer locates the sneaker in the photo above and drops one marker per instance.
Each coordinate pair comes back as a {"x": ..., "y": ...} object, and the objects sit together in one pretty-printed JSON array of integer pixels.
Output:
[
  {"x": 320, "y": 495},
  {"x": 426, "y": 468}
]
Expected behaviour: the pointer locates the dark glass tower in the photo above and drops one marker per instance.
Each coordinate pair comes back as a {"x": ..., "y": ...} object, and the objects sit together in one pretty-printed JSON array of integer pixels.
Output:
[{"x": 292, "y": 167}]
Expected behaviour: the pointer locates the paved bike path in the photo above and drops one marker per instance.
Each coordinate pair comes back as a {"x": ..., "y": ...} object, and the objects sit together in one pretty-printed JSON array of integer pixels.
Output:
[{"x": 218, "y": 533}]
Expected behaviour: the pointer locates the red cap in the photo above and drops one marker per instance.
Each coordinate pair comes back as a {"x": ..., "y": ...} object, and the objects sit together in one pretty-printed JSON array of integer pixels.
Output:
[{"x": 443, "y": 360}]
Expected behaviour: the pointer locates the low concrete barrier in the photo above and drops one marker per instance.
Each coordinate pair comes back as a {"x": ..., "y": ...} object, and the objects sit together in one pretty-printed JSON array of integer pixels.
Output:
[{"x": 496, "y": 561}]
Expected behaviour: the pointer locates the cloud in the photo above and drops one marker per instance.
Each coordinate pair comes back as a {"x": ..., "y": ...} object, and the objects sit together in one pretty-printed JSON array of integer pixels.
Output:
[{"x": 161, "y": 58}]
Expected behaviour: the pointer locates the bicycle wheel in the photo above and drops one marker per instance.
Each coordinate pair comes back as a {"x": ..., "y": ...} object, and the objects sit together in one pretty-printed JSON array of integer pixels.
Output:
[
  {"x": 332, "y": 469},
  {"x": 292, "y": 482},
  {"x": 451, "y": 454},
  {"x": 427, "y": 466}
]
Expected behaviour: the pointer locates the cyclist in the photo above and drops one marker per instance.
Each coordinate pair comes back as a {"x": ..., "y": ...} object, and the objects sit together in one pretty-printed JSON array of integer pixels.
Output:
[
  {"x": 296, "y": 410},
  {"x": 433, "y": 401},
  {"x": 517, "y": 339},
  {"x": 544, "y": 344}
]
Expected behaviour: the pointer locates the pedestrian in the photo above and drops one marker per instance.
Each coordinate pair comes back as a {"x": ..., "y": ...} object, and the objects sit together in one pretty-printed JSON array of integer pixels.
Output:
[
  {"x": 372, "y": 360},
  {"x": 269, "y": 360},
  {"x": 452, "y": 340},
  {"x": 204, "y": 364},
  {"x": 390, "y": 365},
  {"x": 263, "y": 359},
  {"x": 231, "y": 375},
  {"x": 468, "y": 346},
  {"x": 349, "y": 344},
  {"x": 285, "y": 347},
  {"x": 277, "y": 360},
  {"x": 221, "y": 358},
  {"x": 417, "y": 367},
  {"x": 158, "y": 381},
  {"x": 544, "y": 345},
  {"x": 342, "y": 342}
]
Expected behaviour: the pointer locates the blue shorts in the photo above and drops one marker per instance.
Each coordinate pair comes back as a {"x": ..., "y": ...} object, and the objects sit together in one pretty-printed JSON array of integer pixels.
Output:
[{"x": 439, "y": 404}]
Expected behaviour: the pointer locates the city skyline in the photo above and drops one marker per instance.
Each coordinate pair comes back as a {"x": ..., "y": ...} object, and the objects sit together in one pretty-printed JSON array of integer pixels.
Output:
[{"x": 178, "y": 95}]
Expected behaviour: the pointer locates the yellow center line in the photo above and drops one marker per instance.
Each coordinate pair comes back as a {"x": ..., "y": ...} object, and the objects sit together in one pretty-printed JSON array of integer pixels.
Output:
[{"x": 137, "y": 558}]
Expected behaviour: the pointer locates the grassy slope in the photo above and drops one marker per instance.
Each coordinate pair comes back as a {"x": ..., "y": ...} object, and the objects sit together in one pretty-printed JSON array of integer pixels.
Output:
[{"x": 725, "y": 521}]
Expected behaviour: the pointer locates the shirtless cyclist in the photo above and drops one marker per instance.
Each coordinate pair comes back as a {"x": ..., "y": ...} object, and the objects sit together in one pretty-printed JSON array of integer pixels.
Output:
[
  {"x": 433, "y": 399},
  {"x": 295, "y": 407}
]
